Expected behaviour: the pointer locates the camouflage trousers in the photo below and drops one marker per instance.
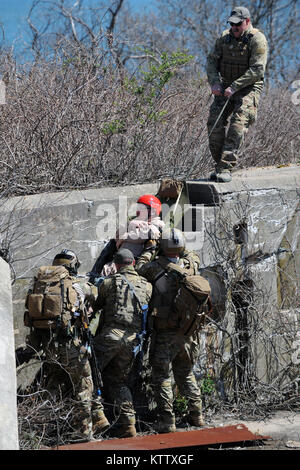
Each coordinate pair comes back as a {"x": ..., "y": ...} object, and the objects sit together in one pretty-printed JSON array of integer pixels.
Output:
[
  {"x": 238, "y": 115},
  {"x": 177, "y": 354},
  {"x": 114, "y": 350},
  {"x": 68, "y": 373}
]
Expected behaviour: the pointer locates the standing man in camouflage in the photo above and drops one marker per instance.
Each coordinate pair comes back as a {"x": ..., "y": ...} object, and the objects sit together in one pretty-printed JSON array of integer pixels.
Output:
[
  {"x": 235, "y": 72},
  {"x": 123, "y": 298},
  {"x": 55, "y": 307},
  {"x": 171, "y": 349}
]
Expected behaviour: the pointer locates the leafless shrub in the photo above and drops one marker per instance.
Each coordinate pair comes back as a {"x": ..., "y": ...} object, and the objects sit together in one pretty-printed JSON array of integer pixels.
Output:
[
  {"x": 274, "y": 139},
  {"x": 249, "y": 352},
  {"x": 65, "y": 127},
  {"x": 47, "y": 415},
  {"x": 88, "y": 110}
]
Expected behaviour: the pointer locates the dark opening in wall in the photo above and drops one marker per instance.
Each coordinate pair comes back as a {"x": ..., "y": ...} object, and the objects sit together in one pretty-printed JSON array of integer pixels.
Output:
[{"x": 205, "y": 194}]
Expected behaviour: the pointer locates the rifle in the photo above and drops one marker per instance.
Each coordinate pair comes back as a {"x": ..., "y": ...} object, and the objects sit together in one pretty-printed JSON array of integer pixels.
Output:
[
  {"x": 141, "y": 336},
  {"x": 96, "y": 374}
]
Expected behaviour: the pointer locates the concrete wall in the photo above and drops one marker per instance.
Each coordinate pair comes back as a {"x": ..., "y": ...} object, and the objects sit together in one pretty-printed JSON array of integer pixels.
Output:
[{"x": 8, "y": 405}]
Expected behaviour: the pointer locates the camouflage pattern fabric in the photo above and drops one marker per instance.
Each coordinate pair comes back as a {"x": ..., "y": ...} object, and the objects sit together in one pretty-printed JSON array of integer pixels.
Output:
[
  {"x": 150, "y": 269},
  {"x": 66, "y": 366},
  {"x": 170, "y": 351},
  {"x": 240, "y": 64},
  {"x": 240, "y": 112},
  {"x": 114, "y": 349},
  {"x": 121, "y": 320},
  {"x": 175, "y": 354},
  {"x": 74, "y": 361}
]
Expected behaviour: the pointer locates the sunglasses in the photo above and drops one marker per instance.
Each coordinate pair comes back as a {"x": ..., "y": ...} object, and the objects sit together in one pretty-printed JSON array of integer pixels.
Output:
[{"x": 236, "y": 24}]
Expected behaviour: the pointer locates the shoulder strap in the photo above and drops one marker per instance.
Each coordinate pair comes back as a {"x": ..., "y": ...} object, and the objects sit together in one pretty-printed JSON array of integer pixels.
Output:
[
  {"x": 169, "y": 266},
  {"x": 79, "y": 290},
  {"x": 226, "y": 37}
]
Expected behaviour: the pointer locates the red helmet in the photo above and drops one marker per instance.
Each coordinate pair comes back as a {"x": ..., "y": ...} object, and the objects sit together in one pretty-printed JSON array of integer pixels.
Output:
[{"x": 152, "y": 201}]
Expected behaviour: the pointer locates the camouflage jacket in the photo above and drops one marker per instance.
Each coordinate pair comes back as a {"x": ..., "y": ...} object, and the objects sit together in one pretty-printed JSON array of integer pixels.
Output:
[
  {"x": 165, "y": 284},
  {"x": 238, "y": 62},
  {"x": 120, "y": 305}
]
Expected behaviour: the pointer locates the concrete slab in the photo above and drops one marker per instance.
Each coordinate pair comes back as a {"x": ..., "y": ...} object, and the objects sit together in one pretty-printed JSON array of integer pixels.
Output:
[
  {"x": 258, "y": 179},
  {"x": 36, "y": 201},
  {"x": 283, "y": 427}
]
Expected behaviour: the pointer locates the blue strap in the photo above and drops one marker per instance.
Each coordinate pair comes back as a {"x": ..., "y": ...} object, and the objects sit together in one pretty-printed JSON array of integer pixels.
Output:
[{"x": 140, "y": 336}]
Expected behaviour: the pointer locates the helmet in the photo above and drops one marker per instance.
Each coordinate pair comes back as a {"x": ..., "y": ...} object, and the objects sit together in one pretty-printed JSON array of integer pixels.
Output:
[
  {"x": 152, "y": 201},
  {"x": 124, "y": 256},
  {"x": 68, "y": 259},
  {"x": 172, "y": 242}
]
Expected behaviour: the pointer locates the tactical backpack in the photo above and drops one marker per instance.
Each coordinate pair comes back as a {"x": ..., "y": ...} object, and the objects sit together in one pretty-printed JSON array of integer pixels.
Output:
[
  {"x": 169, "y": 189},
  {"x": 53, "y": 297},
  {"x": 192, "y": 301}
]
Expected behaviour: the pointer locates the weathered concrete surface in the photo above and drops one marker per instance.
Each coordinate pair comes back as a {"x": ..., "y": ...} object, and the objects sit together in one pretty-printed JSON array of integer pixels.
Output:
[
  {"x": 8, "y": 402},
  {"x": 282, "y": 426}
]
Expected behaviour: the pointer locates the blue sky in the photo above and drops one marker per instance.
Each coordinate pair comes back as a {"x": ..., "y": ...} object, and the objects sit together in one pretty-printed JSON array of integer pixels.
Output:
[{"x": 13, "y": 15}]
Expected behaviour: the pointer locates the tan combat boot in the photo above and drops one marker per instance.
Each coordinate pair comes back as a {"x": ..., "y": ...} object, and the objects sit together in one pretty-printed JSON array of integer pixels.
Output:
[
  {"x": 221, "y": 176},
  {"x": 125, "y": 427},
  {"x": 166, "y": 424},
  {"x": 196, "y": 420},
  {"x": 100, "y": 423}
]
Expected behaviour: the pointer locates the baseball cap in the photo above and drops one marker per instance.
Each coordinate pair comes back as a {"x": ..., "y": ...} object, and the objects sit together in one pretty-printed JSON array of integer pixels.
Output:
[
  {"x": 238, "y": 14},
  {"x": 123, "y": 256}
]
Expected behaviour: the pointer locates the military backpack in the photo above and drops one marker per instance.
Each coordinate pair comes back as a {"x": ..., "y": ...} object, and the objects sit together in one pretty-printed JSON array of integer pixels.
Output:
[
  {"x": 52, "y": 297},
  {"x": 192, "y": 301}
]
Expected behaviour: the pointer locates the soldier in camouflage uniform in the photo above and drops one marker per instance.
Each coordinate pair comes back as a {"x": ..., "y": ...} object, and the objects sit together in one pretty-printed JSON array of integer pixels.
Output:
[
  {"x": 120, "y": 298},
  {"x": 170, "y": 349},
  {"x": 66, "y": 358},
  {"x": 235, "y": 72}
]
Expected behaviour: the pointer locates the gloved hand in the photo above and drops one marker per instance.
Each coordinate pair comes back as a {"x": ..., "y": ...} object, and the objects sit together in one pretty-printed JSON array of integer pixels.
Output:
[
  {"x": 216, "y": 89},
  {"x": 98, "y": 281},
  {"x": 229, "y": 92},
  {"x": 150, "y": 245}
]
